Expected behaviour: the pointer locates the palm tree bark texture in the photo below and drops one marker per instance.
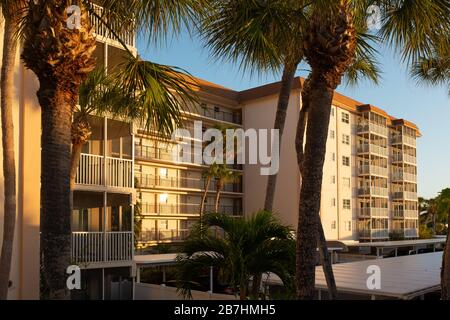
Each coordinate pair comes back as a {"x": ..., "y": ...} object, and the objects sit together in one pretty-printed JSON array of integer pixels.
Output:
[
  {"x": 61, "y": 58},
  {"x": 9, "y": 166},
  {"x": 329, "y": 49}
]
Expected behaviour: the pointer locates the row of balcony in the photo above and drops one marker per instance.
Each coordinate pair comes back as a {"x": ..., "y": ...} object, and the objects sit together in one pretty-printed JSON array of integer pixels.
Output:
[
  {"x": 384, "y": 193},
  {"x": 152, "y": 181},
  {"x": 372, "y": 212},
  {"x": 373, "y": 128},
  {"x": 404, "y": 176},
  {"x": 172, "y": 235},
  {"x": 217, "y": 114},
  {"x": 379, "y": 234},
  {"x": 403, "y": 157},
  {"x": 181, "y": 209},
  {"x": 100, "y": 247},
  {"x": 153, "y": 153},
  {"x": 374, "y": 149},
  {"x": 373, "y": 170}
]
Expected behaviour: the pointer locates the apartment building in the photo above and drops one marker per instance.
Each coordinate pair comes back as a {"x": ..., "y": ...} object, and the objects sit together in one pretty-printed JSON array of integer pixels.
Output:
[{"x": 369, "y": 187}]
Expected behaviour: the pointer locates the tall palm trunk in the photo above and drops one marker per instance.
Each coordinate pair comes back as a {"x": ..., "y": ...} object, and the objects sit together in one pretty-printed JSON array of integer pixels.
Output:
[
  {"x": 310, "y": 195},
  {"x": 9, "y": 165},
  {"x": 330, "y": 49},
  {"x": 55, "y": 186},
  {"x": 445, "y": 271},
  {"x": 280, "y": 120},
  {"x": 321, "y": 240},
  {"x": 61, "y": 58}
]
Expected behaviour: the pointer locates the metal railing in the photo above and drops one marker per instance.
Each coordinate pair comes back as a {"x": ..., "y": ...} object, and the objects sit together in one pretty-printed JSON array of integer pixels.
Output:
[
  {"x": 404, "y": 176},
  {"x": 89, "y": 247},
  {"x": 185, "y": 209},
  {"x": 401, "y": 214},
  {"x": 101, "y": 31},
  {"x": 373, "y": 128},
  {"x": 151, "y": 181},
  {"x": 374, "y": 212},
  {"x": 374, "y": 233},
  {"x": 405, "y": 195},
  {"x": 399, "y": 157},
  {"x": 374, "y": 170},
  {"x": 94, "y": 170},
  {"x": 374, "y": 149},
  {"x": 227, "y": 116},
  {"x": 403, "y": 139},
  {"x": 374, "y": 191},
  {"x": 172, "y": 235}
]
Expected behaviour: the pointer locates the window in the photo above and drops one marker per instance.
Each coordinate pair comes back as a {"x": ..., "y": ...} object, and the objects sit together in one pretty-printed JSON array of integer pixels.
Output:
[
  {"x": 346, "y": 139},
  {"x": 332, "y": 111},
  {"x": 333, "y": 157},
  {"x": 333, "y": 179},
  {"x": 333, "y": 225},
  {"x": 346, "y": 182},
  {"x": 332, "y": 134},
  {"x": 348, "y": 226},
  {"x": 347, "y": 204},
  {"x": 346, "y": 161},
  {"x": 333, "y": 202},
  {"x": 345, "y": 117}
]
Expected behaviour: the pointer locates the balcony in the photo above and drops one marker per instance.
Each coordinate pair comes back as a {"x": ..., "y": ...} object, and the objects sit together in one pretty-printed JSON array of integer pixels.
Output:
[
  {"x": 100, "y": 247},
  {"x": 399, "y": 157},
  {"x": 402, "y": 139},
  {"x": 373, "y": 149},
  {"x": 102, "y": 171},
  {"x": 405, "y": 195},
  {"x": 374, "y": 212},
  {"x": 173, "y": 235},
  {"x": 104, "y": 35},
  {"x": 374, "y": 234},
  {"x": 212, "y": 113},
  {"x": 185, "y": 209},
  {"x": 411, "y": 233},
  {"x": 373, "y": 170},
  {"x": 373, "y": 191},
  {"x": 402, "y": 214},
  {"x": 373, "y": 128},
  {"x": 399, "y": 176},
  {"x": 152, "y": 181}
]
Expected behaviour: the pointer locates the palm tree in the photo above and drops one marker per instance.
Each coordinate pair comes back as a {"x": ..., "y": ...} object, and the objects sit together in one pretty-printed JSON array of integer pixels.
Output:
[
  {"x": 224, "y": 176},
  {"x": 12, "y": 11},
  {"x": 207, "y": 175},
  {"x": 62, "y": 58},
  {"x": 330, "y": 46},
  {"x": 443, "y": 206},
  {"x": 250, "y": 247}
]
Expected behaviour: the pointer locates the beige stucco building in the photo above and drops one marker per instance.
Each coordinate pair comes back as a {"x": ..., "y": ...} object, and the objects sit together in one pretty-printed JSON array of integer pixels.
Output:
[{"x": 369, "y": 187}]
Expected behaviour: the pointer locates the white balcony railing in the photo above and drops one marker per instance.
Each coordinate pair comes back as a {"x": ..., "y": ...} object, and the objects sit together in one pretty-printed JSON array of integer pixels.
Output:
[
  {"x": 128, "y": 37},
  {"x": 405, "y": 195},
  {"x": 92, "y": 247},
  {"x": 402, "y": 139},
  {"x": 374, "y": 149},
  {"x": 373, "y": 128},
  {"x": 96, "y": 170},
  {"x": 404, "y": 158},
  {"x": 404, "y": 176},
  {"x": 373, "y": 212},
  {"x": 411, "y": 233},
  {"x": 374, "y": 234},
  {"x": 402, "y": 214},
  {"x": 374, "y": 170},
  {"x": 172, "y": 235},
  {"x": 373, "y": 191}
]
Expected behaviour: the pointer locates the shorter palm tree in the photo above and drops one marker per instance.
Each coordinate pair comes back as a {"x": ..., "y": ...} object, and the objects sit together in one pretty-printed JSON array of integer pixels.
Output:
[
  {"x": 224, "y": 175},
  {"x": 249, "y": 247},
  {"x": 208, "y": 175}
]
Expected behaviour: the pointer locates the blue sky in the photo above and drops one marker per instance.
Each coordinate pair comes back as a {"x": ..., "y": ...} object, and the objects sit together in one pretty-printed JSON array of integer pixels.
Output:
[{"x": 399, "y": 95}]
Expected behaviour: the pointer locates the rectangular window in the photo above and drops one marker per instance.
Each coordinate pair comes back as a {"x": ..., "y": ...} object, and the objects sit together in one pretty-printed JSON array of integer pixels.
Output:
[
  {"x": 346, "y": 161},
  {"x": 345, "y": 117},
  {"x": 333, "y": 179},
  {"x": 333, "y": 225},
  {"x": 333, "y": 157},
  {"x": 333, "y": 202},
  {"x": 349, "y": 226},
  {"x": 346, "y": 139},
  {"x": 347, "y": 204},
  {"x": 332, "y": 134},
  {"x": 332, "y": 111},
  {"x": 346, "y": 182}
]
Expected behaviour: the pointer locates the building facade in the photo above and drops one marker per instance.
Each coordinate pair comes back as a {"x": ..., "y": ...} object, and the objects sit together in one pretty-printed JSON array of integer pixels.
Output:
[{"x": 369, "y": 185}]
